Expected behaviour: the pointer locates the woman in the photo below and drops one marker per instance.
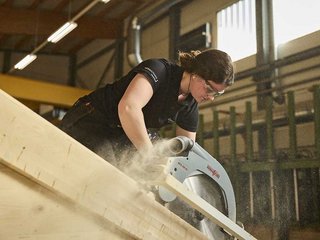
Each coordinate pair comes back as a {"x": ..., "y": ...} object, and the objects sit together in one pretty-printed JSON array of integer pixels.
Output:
[{"x": 153, "y": 94}]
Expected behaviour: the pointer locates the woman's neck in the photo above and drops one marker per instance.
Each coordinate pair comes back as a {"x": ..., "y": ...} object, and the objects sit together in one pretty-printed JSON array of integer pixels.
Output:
[
  {"x": 185, "y": 84},
  {"x": 184, "y": 90}
]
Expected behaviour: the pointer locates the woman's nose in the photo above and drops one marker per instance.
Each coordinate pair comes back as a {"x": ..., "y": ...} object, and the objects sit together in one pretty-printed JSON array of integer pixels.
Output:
[{"x": 211, "y": 98}]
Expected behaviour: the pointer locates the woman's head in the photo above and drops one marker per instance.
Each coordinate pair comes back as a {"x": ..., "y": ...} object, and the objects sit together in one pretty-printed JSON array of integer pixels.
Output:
[{"x": 212, "y": 64}]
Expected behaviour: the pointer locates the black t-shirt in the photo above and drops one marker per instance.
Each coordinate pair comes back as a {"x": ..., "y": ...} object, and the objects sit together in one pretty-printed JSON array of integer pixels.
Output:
[{"x": 163, "y": 107}]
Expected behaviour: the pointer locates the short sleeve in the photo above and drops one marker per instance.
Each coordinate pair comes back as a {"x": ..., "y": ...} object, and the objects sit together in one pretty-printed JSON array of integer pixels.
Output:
[{"x": 154, "y": 70}]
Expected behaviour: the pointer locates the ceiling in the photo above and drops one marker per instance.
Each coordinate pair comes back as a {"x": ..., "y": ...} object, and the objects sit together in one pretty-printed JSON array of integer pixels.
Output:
[{"x": 26, "y": 24}]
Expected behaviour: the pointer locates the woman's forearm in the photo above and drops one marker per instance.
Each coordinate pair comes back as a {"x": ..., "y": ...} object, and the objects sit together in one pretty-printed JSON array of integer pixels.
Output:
[
  {"x": 137, "y": 95},
  {"x": 133, "y": 124}
]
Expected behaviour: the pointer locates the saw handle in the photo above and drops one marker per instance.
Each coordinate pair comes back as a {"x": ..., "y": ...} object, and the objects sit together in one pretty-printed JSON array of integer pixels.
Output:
[{"x": 180, "y": 144}]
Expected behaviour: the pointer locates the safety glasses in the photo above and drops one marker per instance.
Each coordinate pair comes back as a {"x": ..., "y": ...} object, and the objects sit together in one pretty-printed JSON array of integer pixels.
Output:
[{"x": 211, "y": 91}]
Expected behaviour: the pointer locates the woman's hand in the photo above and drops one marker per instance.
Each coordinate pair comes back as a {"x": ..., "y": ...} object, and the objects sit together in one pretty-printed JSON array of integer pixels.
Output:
[{"x": 181, "y": 132}]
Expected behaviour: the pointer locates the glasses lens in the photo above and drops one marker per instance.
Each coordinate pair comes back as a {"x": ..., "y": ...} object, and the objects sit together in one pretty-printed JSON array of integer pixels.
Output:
[{"x": 212, "y": 91}]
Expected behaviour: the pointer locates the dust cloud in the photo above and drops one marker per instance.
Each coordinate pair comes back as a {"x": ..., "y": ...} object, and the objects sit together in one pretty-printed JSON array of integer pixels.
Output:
[
  {"x": 147, "y": 165},
  {"x": 148, "y": 168},
  {"x": 143, "y": 166}
]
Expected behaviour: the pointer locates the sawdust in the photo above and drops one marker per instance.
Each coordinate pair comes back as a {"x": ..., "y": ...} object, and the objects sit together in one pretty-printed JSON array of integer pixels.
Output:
[{"x": 145, "y": 166}]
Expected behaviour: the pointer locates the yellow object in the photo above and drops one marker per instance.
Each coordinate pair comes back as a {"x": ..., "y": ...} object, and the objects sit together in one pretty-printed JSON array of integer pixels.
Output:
[{"x": 25, "y": 89}]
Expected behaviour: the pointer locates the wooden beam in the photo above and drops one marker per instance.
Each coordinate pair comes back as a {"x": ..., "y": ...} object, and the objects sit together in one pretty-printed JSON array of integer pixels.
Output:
[
  {"x": 61, "y": 5},
  {"x": 40, "y": 92},
  {"x": 43, "y": 154},
  {"x": 31, "y": 22},
  {"x": 7, "y": 3},
  {"x": 34, "y": 4},
  {"x": 28, "y": 38},
  {"x": 109, "y": 8},
  {"x": 40, "y": 214}
]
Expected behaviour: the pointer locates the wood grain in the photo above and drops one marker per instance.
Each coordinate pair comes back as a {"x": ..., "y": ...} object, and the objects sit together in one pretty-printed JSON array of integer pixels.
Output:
[{"x": 46, "y": 156}]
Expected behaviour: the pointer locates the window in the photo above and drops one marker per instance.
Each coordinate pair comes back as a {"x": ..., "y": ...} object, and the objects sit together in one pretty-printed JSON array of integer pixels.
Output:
[
  {"x": 198, "y": 38},
  {"x": 295, "y": 18},
  {"x": 237, "y": 29}
]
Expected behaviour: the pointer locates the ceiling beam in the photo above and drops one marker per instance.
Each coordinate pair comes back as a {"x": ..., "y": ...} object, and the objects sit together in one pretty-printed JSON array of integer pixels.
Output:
[
  {"x": 61, "y": 5},
  {"x": 31, "y": 22},
  {"x": 7, "y": 3},
  {"x": 27, "y": 39},
  {"x": 24, "y": 41}
]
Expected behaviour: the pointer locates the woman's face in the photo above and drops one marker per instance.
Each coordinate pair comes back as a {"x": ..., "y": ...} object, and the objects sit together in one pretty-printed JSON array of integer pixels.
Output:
[{"x": 203, "y": 90}]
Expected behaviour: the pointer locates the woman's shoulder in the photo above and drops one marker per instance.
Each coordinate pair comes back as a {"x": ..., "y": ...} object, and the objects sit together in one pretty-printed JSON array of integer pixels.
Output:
[
  {"x": 157, "y": 68},
  {"x": 158, "y": 61}
]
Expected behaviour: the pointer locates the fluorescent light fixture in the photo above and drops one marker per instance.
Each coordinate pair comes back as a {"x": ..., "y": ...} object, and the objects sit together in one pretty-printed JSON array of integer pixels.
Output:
[
  {"x": 105, "y": 1},
  {"x": 25, "y": 61},
  {"x": 61, "y": 32}
]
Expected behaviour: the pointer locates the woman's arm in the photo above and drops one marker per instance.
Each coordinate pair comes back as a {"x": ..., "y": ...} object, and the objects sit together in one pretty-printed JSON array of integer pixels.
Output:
[
  {"x": 137, "y": 95},
  {"x": 181, "y": 132}
]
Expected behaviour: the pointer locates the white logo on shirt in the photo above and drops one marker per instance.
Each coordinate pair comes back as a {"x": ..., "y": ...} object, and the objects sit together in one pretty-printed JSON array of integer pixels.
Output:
[{"x": 152, "y": 74}]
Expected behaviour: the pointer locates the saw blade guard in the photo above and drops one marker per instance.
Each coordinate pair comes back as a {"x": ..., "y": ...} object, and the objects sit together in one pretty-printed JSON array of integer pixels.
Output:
[{"x": 190, "y": 159}]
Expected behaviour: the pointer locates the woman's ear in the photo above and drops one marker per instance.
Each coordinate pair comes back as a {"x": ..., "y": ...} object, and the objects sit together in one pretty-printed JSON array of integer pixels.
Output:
[{"x": 197, "y": 78}]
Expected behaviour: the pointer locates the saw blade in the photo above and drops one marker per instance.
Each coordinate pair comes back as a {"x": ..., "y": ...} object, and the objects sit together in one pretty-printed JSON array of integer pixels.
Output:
[{"x": 206, "y": 188}]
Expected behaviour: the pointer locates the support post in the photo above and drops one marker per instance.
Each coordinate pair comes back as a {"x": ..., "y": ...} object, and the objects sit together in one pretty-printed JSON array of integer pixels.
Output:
[
  {"x": 249, "y": 133},
  {"x": 315, "y": 176},
  {"x": 233, "y": 153},
  {"x": 216, "y": 147},
  {"x": 233, "y": 141},
  {"x": 72, "y": 70},
  {"x": 6, "y": 61},
  {"x": 249, "y": 152},
  {"x": 200, "y": 137},
  {"x": 292, "y": 127},
  {"x": 118, "y": 62},
  {"x": 269, "y": 130},
  {"x": 316, "y": 106},
  {"x": 293, "y": 150},
  {"x": 174, "y": 31}
]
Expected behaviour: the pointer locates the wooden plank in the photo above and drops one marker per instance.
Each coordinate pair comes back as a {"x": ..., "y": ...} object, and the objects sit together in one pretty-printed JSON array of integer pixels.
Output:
[
  {"x": 205, "y": 208},
  {"x": 42, "y": 153},
  {"x": 29, "y": 211}
]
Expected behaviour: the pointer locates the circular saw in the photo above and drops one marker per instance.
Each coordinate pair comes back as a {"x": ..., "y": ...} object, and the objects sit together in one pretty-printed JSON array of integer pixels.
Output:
[{"x": 198, "y": 189}]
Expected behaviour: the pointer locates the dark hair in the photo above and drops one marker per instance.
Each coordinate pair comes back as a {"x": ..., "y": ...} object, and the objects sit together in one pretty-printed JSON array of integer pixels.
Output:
[{"x": 211, "y": 64}]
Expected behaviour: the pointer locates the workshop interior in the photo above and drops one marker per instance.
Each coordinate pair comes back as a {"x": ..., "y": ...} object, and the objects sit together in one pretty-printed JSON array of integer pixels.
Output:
[{"x": 253, "y": 171}]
